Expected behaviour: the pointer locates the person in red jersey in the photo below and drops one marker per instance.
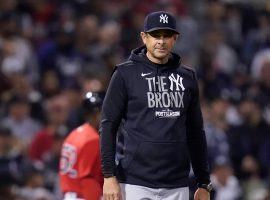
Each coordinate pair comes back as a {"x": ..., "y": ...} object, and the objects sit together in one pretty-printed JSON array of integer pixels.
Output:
[{"x": 80, "y": 166}]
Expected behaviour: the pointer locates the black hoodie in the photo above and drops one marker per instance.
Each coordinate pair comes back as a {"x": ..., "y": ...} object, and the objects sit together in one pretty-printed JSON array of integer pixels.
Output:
[{"x": 163, "y": 127}]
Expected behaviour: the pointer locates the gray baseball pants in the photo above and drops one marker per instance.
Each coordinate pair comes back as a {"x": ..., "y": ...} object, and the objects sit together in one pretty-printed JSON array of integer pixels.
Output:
[{"x": 136, "y": 192}]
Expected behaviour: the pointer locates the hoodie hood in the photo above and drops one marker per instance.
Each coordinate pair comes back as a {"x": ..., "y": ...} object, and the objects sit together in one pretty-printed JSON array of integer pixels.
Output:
[{"x": 139, "y": 55}]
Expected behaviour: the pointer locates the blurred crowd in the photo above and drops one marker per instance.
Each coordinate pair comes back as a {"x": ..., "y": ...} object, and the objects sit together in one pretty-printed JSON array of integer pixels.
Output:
[{"x": 53, "y": 51}]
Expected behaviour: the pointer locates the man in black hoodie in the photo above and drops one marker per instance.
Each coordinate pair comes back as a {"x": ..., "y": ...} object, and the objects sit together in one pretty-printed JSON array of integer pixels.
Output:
[{"x": 155, "y": 102}]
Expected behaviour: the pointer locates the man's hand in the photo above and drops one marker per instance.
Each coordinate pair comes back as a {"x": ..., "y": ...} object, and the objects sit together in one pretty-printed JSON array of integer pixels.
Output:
[
  {"x": 201, "y": 194},
  {"x": 111, "y": 189}
]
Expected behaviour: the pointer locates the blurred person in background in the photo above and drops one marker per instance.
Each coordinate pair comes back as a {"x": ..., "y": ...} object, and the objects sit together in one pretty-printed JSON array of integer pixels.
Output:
[
  {"x": 17, "y": 56},
  {"x": 214, "y": 15},
  {"x": 254, "y": 188},
  {"x": 108, "y": 48},
  {"x": 260, "y": 71},
  {"x": 87, "y": 34},
  {"x": 39, "y": 17},
  {"x": 12, "y": 164},
  {"x": 233, "y": 17},
  {"x": 98, "y": 45},
  {"x": 258, "y": 38},
  {"x": 247, "y": 137},
  {"x": 60, "y": 55},
  {"x": 215, "y": 129},
  {"x": 80, "y": 166},
  {"x": 92, "y": 82},
  {"x": 22, "y": 88},
  {"x": 19, "y": 121},
  {"x": 33, "y": 187},
  {"x": 226, "y": 186},
  {"x": 217, "y": 62},
  {"x": 57, "y": 112},
  {"x": 51, "y": 161},
  {"x": 73, "y": 93},
  {"x": 50, "y": 84}
]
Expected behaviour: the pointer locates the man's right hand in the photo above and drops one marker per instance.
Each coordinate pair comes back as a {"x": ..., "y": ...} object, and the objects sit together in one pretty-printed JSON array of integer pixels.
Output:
[{"x": 111, "y": 189}]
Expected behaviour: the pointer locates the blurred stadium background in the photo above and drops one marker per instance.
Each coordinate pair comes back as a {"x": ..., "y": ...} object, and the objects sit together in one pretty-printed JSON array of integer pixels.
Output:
[{"x": 54, "y": 51}]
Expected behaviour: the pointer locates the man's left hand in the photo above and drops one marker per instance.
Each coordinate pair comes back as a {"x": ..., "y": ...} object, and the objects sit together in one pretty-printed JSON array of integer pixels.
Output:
[{"x": 201, "y": 194}]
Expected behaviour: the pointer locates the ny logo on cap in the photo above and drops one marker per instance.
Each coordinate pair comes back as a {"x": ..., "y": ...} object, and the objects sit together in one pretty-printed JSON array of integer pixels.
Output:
[{"x": 163, "y": 18}]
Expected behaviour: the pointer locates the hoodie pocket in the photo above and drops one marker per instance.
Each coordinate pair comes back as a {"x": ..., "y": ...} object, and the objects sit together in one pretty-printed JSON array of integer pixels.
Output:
[{"x": 160, "y": 161}]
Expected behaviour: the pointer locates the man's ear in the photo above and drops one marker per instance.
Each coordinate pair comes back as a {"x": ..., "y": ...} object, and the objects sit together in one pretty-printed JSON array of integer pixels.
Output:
[
  {"x": 143, "y": 36},
  {"x": 176, "y": 36}
]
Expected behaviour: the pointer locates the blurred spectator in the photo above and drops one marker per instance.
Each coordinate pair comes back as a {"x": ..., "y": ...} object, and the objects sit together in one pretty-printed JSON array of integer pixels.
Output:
[
  {"x": 51, "y": 161},
  {"x": 257, "y": 38},
  {"x": 60, "y": 55},
  {"x": 92, "y": 83},
  {"x": 18, "y": 57},
  {"x": 215, "y": 128},
  {"x": 247, "y": 137},
  {"x": 225, "y": 184},
  {"x": 11, "y": 164},
  {"x": 19, "y": 121},
  {"x": 72, "y": 91},
  {"x": 42, "y": 14},
  {"x": 214, "y": 15},
  {"x": 87, "y": 34},
  {"x": 224, "y": 58},
  {"x": 109, "y": 37},
  {"x": 50, "y": 84},
  {"x": 90, "y": 47},
  {"x": 254, "y": 188},
  {"x": 259, "y": 59},
  {"x": 33, "y": 188},
  {"x": 11, "y": 158},
  {"x": 24, "y": 89},
  {"x": 218, "y": 62},
  {"x": 234, "y": 26},
  {"x": 261, "y": 73},
  {"x": 57, "y": 111}
]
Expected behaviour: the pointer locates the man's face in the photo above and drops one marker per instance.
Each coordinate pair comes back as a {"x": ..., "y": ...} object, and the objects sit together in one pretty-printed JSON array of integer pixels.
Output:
[{"x": 159, "y": 43}]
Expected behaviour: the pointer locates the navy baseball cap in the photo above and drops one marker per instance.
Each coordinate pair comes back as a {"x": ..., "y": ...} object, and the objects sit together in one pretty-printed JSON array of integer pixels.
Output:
[{"x": 159, "y": 21}]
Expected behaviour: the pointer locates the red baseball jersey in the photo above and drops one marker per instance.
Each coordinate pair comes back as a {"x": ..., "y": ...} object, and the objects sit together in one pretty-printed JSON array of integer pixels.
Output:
[{"x": 80, "y": 165}]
